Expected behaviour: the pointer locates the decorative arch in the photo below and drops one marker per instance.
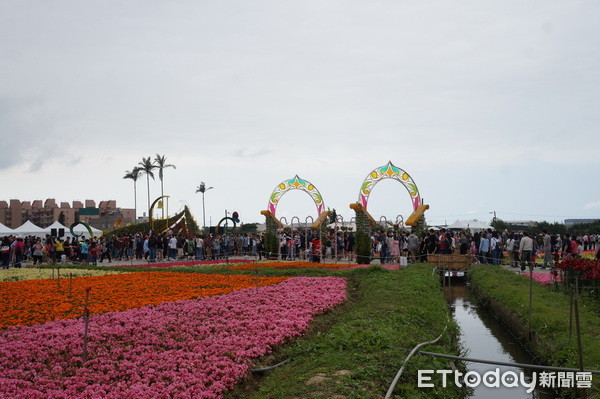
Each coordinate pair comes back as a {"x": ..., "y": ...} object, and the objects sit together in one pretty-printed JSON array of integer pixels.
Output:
[
  {"x": 151, "y": 211},
  {"x": 389, "y": 171},
  {"x": 84, "y": 224},
  {"x": 296, "y": 183}
]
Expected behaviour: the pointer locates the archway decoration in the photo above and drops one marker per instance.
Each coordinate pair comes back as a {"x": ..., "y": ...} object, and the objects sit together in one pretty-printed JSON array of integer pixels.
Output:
[
  {"x": 84, "y": 224},
  {"x": 389, "y": 171},
  {"x": 152, "y": 209},
  {"x": 364, "y": 221},
  {"x": 295, "y": 183},
  {"x": 227, "y": 218}
]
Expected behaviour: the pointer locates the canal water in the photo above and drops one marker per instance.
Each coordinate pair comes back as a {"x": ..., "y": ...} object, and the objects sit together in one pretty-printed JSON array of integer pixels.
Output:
[{"x": 484, "y": 337}]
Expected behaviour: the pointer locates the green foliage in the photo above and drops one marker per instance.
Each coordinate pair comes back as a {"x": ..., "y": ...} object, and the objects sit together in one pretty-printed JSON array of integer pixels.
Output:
[
  {"x": 586, "y": 228},
  {"x": 191, "y": 224},
  {"x": 551, "y": 228},
  {"x": 420, "y": 227},
  {"x": 271, "y": 241},
  {"x": 159, "y": 225},
  {"x": 362, "y": 238},
  {"x": 248, "y": 228}
]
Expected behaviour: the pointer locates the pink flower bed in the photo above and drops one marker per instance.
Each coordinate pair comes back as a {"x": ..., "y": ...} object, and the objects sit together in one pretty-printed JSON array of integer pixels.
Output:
[
  {"x": 185, "y": 349},
  {"x": 187, "y": 263},
  {"x": 543, "y": 278}
]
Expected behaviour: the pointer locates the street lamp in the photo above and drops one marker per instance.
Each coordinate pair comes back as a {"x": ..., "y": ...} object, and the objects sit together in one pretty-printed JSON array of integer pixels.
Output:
[
  {"x": 493, "y": 220},
  {"x": 202, "y": 189}
]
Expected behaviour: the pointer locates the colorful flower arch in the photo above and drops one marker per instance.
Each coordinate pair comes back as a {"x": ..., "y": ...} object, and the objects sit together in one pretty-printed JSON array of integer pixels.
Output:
[
  {"x": 295, "y": 183},
  {"x": 389, "y": 171}
]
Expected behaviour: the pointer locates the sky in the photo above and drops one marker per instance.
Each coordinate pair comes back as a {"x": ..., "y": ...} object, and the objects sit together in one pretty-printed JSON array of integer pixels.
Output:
[{"x": 490, "y": 106}]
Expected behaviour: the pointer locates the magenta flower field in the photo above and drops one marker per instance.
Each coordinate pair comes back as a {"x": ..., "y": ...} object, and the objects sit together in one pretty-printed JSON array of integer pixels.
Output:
[{"x": 184, "y": 349}]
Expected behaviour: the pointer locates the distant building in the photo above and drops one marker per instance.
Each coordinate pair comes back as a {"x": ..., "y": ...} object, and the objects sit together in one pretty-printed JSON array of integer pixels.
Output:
[
  {"x": 571, "y": 222},
  {"x": 521, "y": 223},
  {"x": 14, "y": 213}
]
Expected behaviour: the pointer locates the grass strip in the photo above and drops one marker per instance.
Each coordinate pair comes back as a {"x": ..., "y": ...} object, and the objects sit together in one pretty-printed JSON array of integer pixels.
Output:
[
  {"x": 549, "y": 317},
  {"x": 355, "y": 350}
]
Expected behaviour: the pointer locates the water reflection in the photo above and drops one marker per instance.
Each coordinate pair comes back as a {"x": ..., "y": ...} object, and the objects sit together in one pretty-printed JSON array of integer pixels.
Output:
[{"x": 483, "y": 337}]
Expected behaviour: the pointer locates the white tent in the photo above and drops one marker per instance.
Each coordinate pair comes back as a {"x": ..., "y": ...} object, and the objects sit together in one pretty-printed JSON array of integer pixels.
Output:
[
  {"x": 5, "y": 231},
  {"x": 473, "y": 225},
  {"x": 347, "y": 225},
  {"x": 56, "y": 225},
  {"x": 29, "y": 229}
]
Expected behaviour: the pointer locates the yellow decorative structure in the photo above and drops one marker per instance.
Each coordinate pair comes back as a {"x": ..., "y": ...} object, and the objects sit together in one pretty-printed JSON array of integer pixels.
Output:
[
  {"x": 416, "y": 215},
  {"x": 321, "y": 219},
  {"x": 269, "y": 215},
  {"x": 359, "y": 208}
]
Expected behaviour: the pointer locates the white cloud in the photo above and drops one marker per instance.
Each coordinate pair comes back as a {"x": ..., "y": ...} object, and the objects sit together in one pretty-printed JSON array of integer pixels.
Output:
[{"x": 592, "y": 205}]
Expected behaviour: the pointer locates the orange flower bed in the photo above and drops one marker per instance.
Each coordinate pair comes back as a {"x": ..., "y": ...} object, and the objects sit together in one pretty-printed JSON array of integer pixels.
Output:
[
  {"x": 290, "y": 265},
  {"x": 38, "y": 301}
]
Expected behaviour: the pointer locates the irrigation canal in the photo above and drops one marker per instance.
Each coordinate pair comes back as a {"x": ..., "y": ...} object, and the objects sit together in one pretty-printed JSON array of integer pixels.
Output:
[{"x": 484, "y": 337}]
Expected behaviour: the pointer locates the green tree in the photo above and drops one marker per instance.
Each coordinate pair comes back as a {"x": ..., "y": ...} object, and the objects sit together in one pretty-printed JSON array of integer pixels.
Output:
[
  {"x": 134, "y": 175},
  {"x": 499, "y": 224},
  {"x": 146, "y": 166},
  {"x": 248, "y": 228},
  {"x": 161, "y": 164},
  {"x": 61, "y": 218}
]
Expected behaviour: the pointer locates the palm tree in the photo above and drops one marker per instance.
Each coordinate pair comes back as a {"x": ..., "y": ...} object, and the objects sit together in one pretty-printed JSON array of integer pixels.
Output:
[
  {"x": 160, "y": 162},
  {"x": 146, "y": 167},
  {"x": 134, "y": 175}
]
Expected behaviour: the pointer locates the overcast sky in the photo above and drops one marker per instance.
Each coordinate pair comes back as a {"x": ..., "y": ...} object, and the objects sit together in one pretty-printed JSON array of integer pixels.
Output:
[{"x": 488, "y": 105}]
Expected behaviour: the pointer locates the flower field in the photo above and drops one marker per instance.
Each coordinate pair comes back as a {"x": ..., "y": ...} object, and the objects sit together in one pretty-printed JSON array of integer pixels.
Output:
[
  {"x": 36, "y": 274},
  {"x": 289, "y": 265},
  {"x": 189, "y": 263},
  {"x": 185, "y": 349},
  {"x": 46, "y": 301}
]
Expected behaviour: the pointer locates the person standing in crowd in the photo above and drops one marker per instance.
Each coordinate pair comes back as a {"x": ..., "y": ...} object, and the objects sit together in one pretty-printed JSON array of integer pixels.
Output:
[
  {"x": 574, "y": 247},
  {"x": 464, "y": 244},
  {"x": 413, "y": 246},
  {"x": 152, "y": 248},
  {"x": 172, "y": 247},
  {"x": 84, "y": 251},
  {"x": 18, "y": 249},
  {"x": 37, "y": 251},
  {"x": 5, "y": 252},
  {"x": 316, "y": 249},
  {"x": 190, "y": 247},
  {"x": 199, "y": 248},
  {"x": 510, "y": 249},
  {"x": 484, "y": 248},
  {"x": 525, "y": 250},
  {"x": 547, "y": 247},
  {"x": 395, "y": 249},
  {"x": 496, "y": 249}
]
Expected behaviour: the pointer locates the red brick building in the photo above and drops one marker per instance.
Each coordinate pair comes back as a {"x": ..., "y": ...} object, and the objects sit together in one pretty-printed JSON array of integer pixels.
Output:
[{"x": 14, "y": 213}]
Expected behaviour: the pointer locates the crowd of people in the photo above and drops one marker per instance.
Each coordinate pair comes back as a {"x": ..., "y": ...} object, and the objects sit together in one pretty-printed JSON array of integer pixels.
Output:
[
  {"x": 516, "y": 249},
  {"x": 489, "y": 247},
  {"x": 150, "y": 247}
]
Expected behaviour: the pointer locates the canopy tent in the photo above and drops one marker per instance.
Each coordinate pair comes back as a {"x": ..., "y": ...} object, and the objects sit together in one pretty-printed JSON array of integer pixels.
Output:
[
  {"x": 347, "y": 225},
  {"x": 56, "y": 225},
  {"x": 5, "y": 231},
  {"x": 473, "y": 225},
  {"x": 29, "y": 229}
]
